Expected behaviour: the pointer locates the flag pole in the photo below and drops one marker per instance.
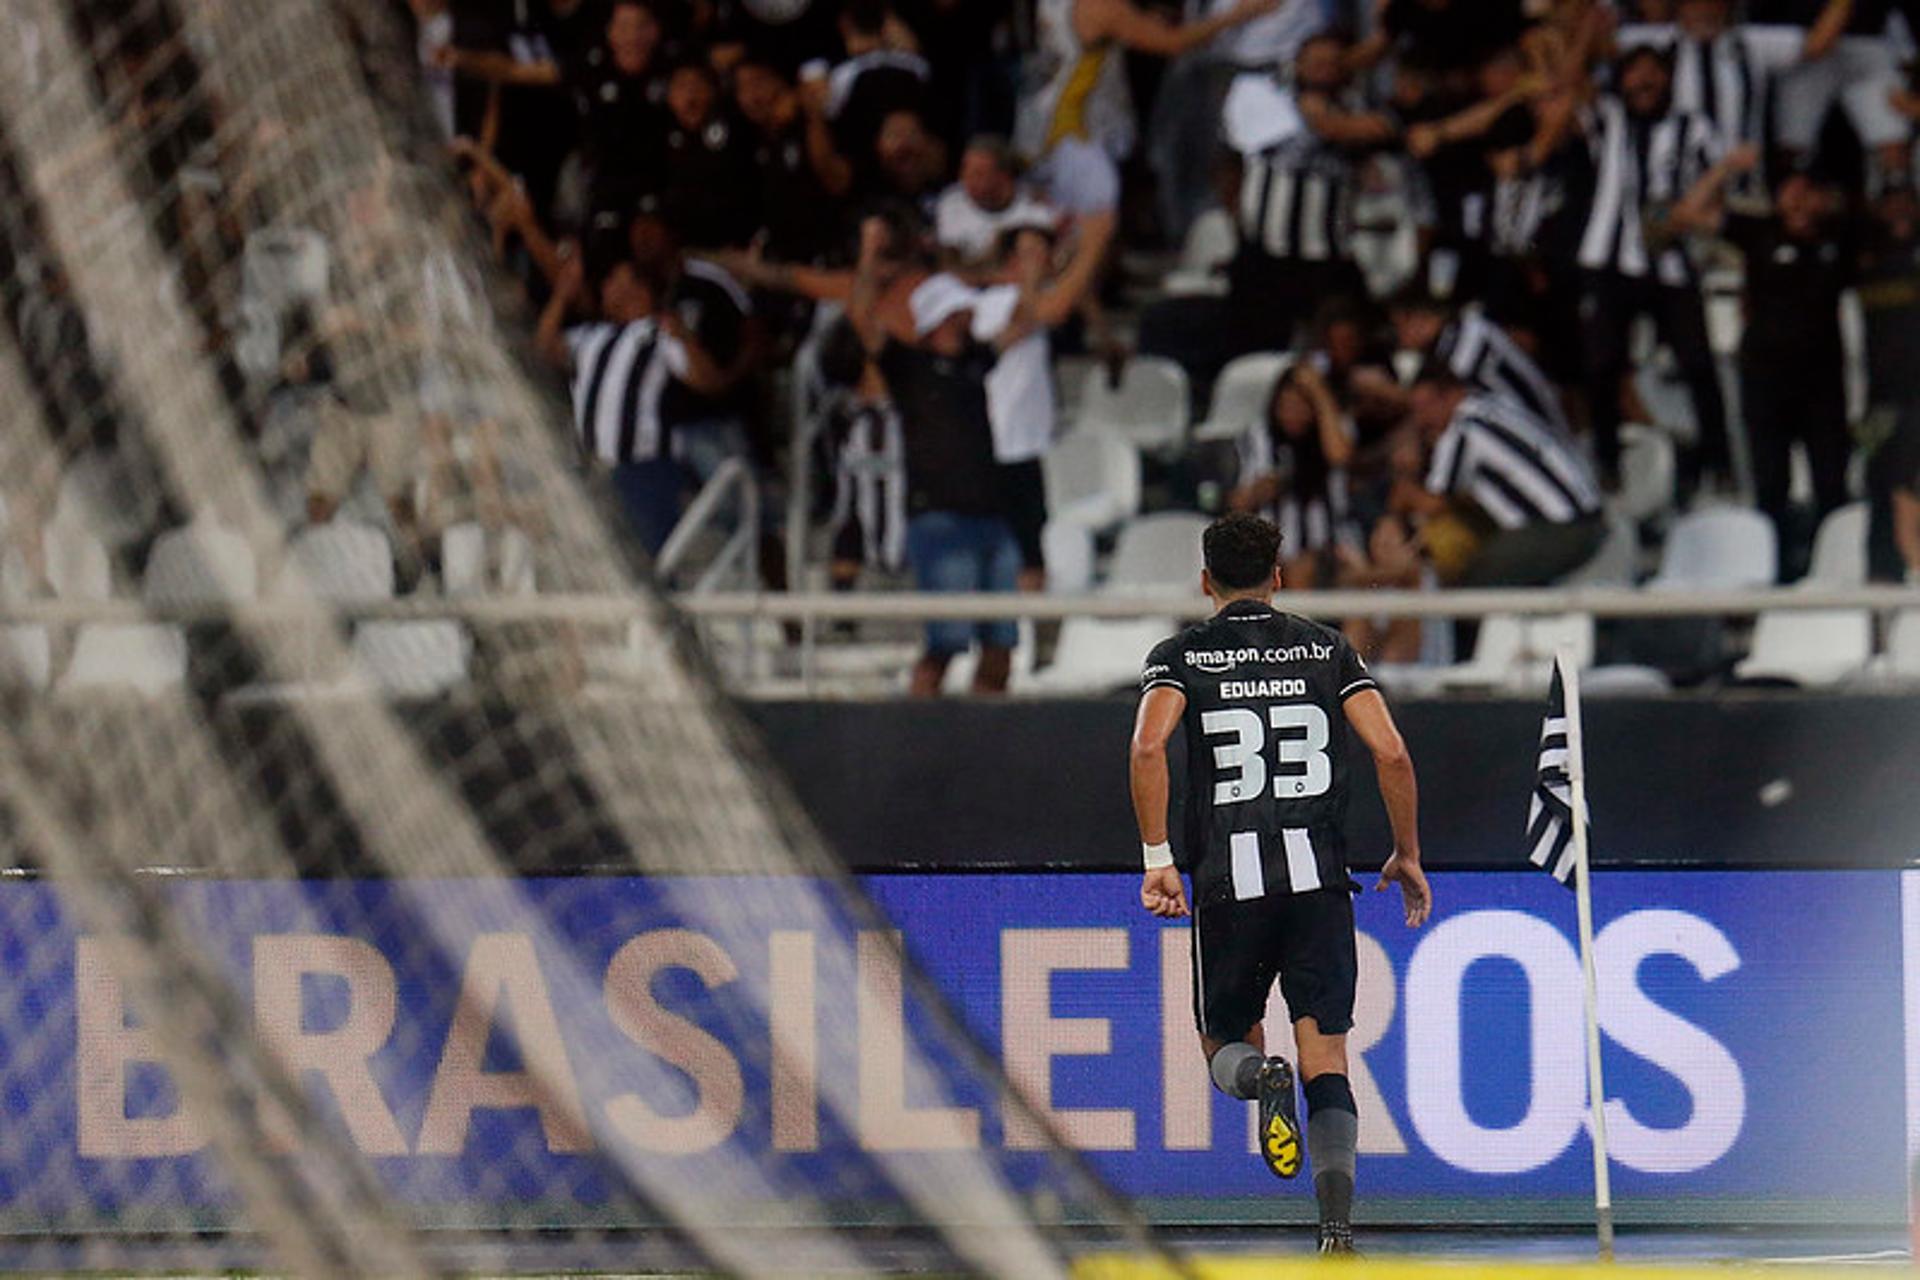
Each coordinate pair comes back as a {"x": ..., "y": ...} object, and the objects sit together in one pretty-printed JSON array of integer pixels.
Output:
[{"x": 1583, "y": 896}]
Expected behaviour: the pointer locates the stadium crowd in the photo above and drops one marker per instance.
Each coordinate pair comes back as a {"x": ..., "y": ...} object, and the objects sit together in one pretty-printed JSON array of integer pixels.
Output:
[{"x": 914, "y": 210}]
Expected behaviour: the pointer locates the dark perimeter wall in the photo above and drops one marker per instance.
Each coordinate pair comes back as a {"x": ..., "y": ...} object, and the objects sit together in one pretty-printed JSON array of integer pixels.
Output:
[{"x": 1764, "y": 779}]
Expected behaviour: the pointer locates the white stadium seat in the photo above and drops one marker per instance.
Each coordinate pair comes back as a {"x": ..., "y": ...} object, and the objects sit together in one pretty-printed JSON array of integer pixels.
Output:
[
  {"x": 26, "y": 657},
  {"x": 342, "y": 561},
  {"x": 1149, "y": 408},
  {"x": 77, "y": 565},
  {"x": 1157, "y": 553},
  {"x": 98, "y": 494},
  {"x": 1067, "y": 548},
  {"x": 1725, "y": 548},
  {"x": 1809, "y": 647},
  {"x": 1840, "y": 548},
  {"x": 1516, "y": 653},
  {"x": 1097, "y": 655},
  {"x": 1903, "y": 645},
  {"x": 1615, "y": 563},
  {"x": 204, "y": 563},
  {"x": 476, "y": 562},
  {"x": 1240, "y": 395},
  {"x": 1092, "y": 479},
  {"x": 144, "y": 657},
  {"x": 412, "y": 659},
  {"x": 1647, "y": 466},
  {"x": 1825, "y": 646},
  {"x": 1211, "y": 241}
]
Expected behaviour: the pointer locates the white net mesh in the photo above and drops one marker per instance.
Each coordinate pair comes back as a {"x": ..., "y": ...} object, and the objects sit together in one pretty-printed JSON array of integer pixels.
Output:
[{"x": 390, "y": 864}]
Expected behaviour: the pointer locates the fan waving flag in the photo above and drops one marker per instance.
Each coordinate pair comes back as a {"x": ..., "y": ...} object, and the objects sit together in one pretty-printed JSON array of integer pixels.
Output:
[{"x": 1550, "y": 841}]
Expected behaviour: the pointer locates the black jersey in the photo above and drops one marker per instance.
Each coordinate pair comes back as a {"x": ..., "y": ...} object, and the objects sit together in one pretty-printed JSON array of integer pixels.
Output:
[{"x": 1267, "y": 775}]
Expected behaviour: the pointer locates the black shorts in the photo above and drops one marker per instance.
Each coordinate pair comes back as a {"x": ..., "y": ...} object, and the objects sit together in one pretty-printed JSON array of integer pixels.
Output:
[{"x": 1305, "y": 939}]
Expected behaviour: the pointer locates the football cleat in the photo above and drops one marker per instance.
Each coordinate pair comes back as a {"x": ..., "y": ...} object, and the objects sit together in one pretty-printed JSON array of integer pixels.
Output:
[
  {"x": 1279, "y": 1130},
  {"x": 1336, "y": 1237}
]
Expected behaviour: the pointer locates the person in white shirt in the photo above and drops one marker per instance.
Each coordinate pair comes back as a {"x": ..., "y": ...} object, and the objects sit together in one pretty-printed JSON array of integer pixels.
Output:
[
  {"x": 1076, "y": 120},
  {"x": 970, "y": 215}
]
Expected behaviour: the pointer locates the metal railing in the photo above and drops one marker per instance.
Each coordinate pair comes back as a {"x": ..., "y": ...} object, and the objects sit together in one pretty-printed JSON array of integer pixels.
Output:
[
  {"x": 1600, "y": 602},
  {"x": 909, "y": 606},
  {"x": 740, "y": 554}
]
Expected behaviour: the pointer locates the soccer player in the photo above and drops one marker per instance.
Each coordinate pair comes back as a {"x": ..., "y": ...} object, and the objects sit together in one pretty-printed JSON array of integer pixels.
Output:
[{"x": 1266, "y": 798}]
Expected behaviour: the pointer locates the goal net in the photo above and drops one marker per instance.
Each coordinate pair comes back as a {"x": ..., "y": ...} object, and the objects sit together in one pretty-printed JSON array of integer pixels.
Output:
[{"x": 387, "y": 887}]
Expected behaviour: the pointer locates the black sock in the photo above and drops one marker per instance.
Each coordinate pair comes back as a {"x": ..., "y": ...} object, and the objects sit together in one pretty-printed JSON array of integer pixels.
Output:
[{"x": 1333, "y": 1133}]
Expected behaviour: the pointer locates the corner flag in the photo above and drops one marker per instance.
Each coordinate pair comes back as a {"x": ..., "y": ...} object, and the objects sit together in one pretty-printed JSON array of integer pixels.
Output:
[
  {"x": 1557, "y": 840},
  {"x": 1550, "y": 821}
]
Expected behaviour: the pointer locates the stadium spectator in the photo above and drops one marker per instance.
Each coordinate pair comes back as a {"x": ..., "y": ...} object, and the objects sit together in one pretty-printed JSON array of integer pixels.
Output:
[
  {"x": 909, "y": 163},
  {"x": 622, "y": 364},
  {"x": 619, "y": 93},
  {"x": 987, "y": 200},
  {"x": 1646, "y": 158},
  {"x": 1184, "y": 127},
  {"x": 1520, "y": 505},
  {"x": 520, "y": 52},
  {"x": 1450, "y": 39},
  {"x": 800, "y": 176},
  {"x": 709, "y": 184},
  {"x": 881, "y": 76},
  {"x": 1799, "y": 260},
  {"x": 1292, "y": 472},
  {"x": 1890, "y": 305},
  {"x": 708, "y": 424},
  {"x": 1017, "y": 316},
  {"x": 1861, "y": 75},
  {"x": 1727, "y": 71},
  {"x": 917, "y": 328},
  {"x": 1294, "y": 203},
  {"x": 1903, "y": 488},
  {"x": 1076, "y": 119}
]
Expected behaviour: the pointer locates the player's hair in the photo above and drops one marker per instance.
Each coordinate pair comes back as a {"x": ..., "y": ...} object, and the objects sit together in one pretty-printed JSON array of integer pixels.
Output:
[{"x": 1241, "y": 550}]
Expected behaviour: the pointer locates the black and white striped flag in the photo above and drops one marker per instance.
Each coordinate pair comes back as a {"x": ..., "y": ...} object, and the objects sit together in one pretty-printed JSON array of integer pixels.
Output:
[{"x": 1550, "y": 841}]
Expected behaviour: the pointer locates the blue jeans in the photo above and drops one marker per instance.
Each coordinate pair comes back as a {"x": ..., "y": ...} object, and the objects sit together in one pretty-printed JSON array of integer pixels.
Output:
[
  {"x": 650, "y": 492},
  {"x": 954, "y": 553}
]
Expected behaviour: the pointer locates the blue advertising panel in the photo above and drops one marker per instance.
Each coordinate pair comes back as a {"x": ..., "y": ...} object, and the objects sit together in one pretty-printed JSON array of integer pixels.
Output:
[{"x": 1755, "y": 1041}]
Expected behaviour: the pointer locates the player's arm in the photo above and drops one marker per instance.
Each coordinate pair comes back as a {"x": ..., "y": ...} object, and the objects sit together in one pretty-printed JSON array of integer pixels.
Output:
[
  {"x": 1393, "y": 765},
  {"x": 1153, "y": 724}
]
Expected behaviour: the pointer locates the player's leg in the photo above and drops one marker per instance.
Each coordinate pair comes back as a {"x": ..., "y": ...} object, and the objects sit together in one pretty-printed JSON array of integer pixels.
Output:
[
  {"x": 1234, "y": 965},
  {"x": 1333, "y": 1130},
  {"x": 1318, "y": 967}
]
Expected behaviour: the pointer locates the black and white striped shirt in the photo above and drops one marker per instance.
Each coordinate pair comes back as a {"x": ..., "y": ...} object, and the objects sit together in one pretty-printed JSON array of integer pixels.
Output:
[
  {"x": 1296, "y": 201},
  {"x": 1515, "y": 467},
  {"x": 1311, "y": 510},
  {"x": 1725, "y": 79},
  {"x": 1640, "y": 164},
  {"x": 1482, "y": 354},
  {"x": 620, "y": 373}
]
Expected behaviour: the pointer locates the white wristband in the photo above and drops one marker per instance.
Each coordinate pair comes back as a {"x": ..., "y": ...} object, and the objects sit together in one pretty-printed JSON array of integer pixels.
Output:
[{"x": 1156, "y": 856}]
